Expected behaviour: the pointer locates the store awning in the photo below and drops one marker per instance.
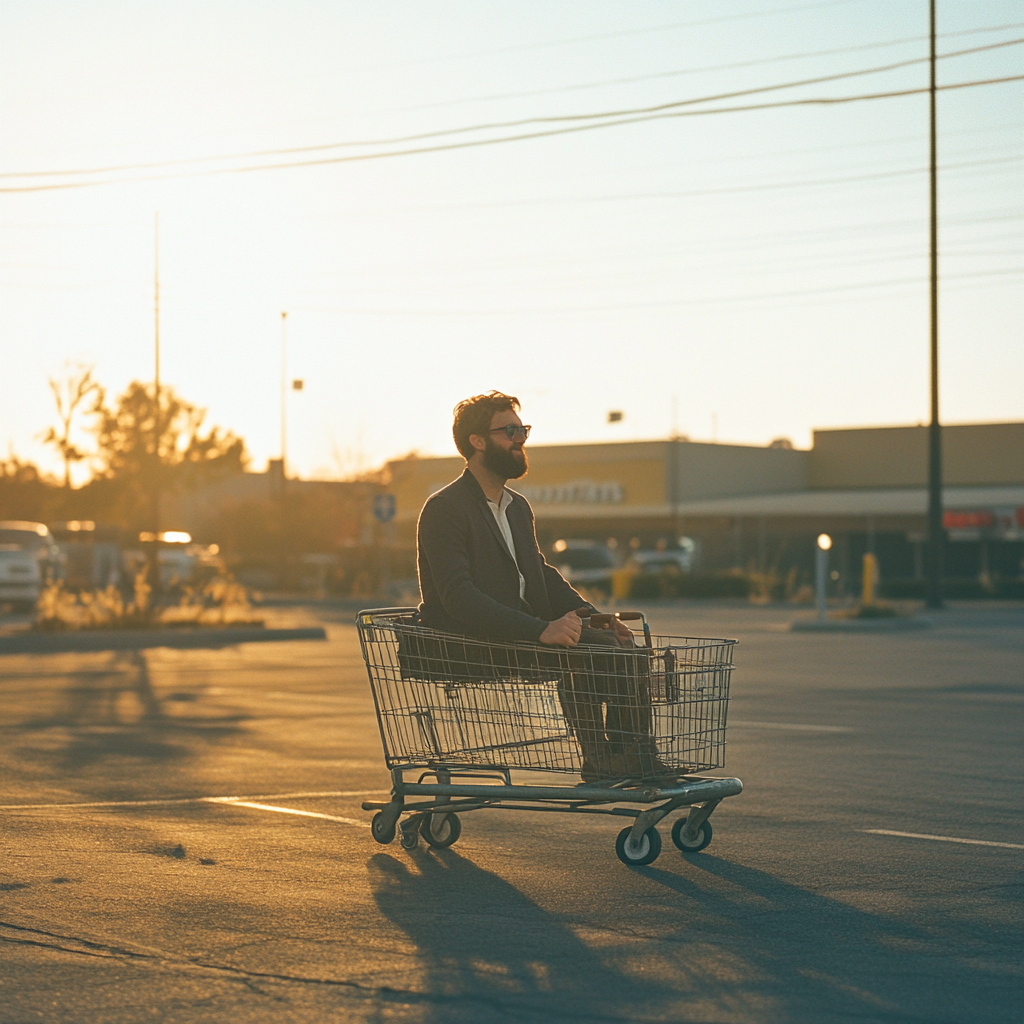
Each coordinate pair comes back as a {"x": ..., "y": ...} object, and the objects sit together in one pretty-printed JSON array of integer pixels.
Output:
[{"x": 910, "y": 501}]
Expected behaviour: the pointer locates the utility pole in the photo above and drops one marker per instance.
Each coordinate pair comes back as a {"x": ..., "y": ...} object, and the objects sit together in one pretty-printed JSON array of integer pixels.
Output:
[
  {"x": 154, "y": 565},
  {"x": 936, "y": 536},
  {"x": 284, "y": 394},
  {"x": 673, "y": 476},
  {"x": 156, "y": 304}
]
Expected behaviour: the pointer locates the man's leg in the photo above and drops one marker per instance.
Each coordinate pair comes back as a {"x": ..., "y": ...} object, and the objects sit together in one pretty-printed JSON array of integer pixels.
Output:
[
  {"x": 629, "y": 720},
  {"x": 584, "y": 716},
  {"x": 620, "y": 679},
  {"x": 583, "y": 704}
]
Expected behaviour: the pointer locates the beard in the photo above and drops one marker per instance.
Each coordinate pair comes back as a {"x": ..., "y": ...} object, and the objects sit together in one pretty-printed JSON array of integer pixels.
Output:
[{"x": 509, "y": 465}]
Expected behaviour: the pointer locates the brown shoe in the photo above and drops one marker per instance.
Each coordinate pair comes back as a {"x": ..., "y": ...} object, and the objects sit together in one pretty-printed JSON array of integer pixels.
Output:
[
  {"x": 595, "y": 770},
  {"x": 645, "y": 766}
]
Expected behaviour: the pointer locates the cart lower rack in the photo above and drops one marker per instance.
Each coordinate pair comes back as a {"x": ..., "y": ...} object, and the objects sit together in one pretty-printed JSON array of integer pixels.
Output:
[{"x": 641, "y": 724}]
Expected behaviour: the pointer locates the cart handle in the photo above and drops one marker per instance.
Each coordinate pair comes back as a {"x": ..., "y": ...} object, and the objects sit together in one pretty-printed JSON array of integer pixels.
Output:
[{"x": 602, "y": 619}]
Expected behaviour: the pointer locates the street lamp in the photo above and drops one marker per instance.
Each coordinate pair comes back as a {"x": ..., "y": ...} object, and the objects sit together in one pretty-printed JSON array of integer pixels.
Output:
[
  {"x": 821, "y": 571},
  {"x": 284, "y": 395}
]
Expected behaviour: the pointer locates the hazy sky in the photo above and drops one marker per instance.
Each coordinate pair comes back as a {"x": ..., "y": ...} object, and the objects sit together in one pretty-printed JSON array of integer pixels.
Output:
[{"x": 766, "y": 269}]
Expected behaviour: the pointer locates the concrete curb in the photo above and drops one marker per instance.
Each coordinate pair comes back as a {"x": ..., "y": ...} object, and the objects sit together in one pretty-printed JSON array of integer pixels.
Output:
[
  {"x": 137, "y": 639},
  {"x": 894, "y": 625}
]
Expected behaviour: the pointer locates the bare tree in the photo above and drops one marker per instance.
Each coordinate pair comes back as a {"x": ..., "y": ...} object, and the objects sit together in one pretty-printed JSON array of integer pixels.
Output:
[{"x": 74, "y": 389}]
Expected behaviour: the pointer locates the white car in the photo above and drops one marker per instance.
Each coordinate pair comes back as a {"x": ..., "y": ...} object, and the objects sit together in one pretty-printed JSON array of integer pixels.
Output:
[
  {"x": 681, "y": 557},
  {"x": 585, "y": 563},
  {"x": 36, "y": 540},
  {"x": 20, "y": 577}
]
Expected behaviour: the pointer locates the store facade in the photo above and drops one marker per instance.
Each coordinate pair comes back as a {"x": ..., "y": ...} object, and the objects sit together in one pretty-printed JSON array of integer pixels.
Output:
[{"x": 760, "y": 508}]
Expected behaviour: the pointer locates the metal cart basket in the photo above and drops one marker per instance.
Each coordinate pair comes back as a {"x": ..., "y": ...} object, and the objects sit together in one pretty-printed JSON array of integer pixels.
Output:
[{"x": 464, "y": 714}]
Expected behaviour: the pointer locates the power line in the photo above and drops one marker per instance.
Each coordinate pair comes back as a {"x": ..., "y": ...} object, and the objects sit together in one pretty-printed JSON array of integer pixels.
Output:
[
  {"x": 860, "y": 256},
  {"x": 713, "y": 259},
  {"x": 719, "y": 245},
  {"x": 710, "y": 67},
  {"x": 668, "y": 303},
  {"x": 522, "y": 122},
  {"x": 770, "y": 187},
  {"x": 633, "y": 111},
  {"x": 671, "y": 26},
  {"x": 700, "y": 193},
  {"x": 476, "y": 143},
  {"x": 747, "y": 157}
]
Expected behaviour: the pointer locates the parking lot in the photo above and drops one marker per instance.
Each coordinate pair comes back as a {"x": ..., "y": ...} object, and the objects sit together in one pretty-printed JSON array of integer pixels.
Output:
[{"x": 181, "y": 839}]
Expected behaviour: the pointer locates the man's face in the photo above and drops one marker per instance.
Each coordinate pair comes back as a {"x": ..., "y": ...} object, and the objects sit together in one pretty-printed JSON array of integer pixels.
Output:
[{"x": 504, "y": 456}]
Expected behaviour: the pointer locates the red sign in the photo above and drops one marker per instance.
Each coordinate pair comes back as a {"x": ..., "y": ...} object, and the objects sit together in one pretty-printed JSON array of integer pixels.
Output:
[{"x": 968, "y": 520}]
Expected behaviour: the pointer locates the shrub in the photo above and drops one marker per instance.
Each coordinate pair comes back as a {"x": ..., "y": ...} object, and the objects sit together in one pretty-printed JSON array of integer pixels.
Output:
[{"x": 217, "y": 602}]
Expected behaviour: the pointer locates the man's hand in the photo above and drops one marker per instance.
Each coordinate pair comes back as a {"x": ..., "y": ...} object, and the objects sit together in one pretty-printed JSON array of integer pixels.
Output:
[
  {"x": 564, "y": 632},
  {"x": 623, "y": 633}
]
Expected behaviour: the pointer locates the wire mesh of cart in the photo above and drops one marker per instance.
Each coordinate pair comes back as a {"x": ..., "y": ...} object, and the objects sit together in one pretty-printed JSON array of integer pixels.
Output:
[{"x": 640, "y": 723}]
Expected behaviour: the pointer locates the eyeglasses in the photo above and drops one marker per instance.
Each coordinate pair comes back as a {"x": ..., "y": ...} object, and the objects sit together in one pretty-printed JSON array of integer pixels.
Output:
[{"x": 513, "y": 431}]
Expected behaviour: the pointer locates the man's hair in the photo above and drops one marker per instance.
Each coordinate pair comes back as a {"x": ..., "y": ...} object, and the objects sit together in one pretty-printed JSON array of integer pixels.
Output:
[{"x": 473, "y": 416}]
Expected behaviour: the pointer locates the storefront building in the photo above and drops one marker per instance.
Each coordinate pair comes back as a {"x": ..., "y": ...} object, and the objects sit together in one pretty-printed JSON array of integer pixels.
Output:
[{"x": 760, "y": 509}]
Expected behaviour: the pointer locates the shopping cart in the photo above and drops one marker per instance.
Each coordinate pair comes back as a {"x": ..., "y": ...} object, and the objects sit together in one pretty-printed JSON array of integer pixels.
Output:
[{"x": 466, "y": 713}]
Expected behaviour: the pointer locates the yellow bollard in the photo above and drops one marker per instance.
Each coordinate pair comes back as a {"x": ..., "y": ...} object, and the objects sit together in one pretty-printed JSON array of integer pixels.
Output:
[
  {"x": 870, "y": 578},
  {"x": 622, "y": 582}
]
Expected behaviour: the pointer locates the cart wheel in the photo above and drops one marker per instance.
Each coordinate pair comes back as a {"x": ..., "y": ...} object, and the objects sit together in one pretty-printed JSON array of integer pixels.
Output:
[
  {"x": 379, "y": 832},
  {"x": 409, "y": 838},
  {"x": 646, "y": 852},
  {"x": 695, "y": 845},
  {"x": 441, "y": 830}
]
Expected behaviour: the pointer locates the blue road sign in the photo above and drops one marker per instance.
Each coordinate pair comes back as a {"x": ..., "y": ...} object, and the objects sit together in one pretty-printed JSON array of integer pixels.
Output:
[{"x": 384, "y": 507}]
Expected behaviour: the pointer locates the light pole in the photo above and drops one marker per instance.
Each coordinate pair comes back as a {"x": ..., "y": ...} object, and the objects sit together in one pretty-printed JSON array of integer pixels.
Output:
[
  {"x": 935, "y": 532},
  {"x": 284, "y": 395},
  {"x": 155, "y": 581},
  {"x": 821, "y": 571}
]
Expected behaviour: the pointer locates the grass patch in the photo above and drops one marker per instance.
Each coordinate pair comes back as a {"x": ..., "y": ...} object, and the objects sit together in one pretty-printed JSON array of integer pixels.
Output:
[{"x": 217, "y": 603}]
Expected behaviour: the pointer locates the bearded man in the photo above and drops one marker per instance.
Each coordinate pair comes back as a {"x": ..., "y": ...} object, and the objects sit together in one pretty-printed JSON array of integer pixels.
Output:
[{"x": 482, "y": 574}]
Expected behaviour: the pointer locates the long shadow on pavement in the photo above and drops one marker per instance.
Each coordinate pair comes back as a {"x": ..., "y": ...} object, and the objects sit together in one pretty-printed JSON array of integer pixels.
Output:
[
  {"x": 816, "y": 959},
  {"x": 488, "y": 952},
  {"x": 116, "y": 713}
]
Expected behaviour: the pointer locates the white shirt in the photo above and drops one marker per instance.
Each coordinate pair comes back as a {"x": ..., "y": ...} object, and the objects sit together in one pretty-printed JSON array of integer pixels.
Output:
[{"x": 498, "y": 511}]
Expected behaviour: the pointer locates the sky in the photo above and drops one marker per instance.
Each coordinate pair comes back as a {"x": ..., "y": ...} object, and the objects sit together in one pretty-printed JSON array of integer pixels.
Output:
[{"x": 735, "y": 276}]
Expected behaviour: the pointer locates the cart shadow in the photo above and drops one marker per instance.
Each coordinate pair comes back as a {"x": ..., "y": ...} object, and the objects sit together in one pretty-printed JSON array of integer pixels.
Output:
[
  {"x": 809, "y": 955},
  {"x": 486, "y": 951},
  {"x": 116, "y": 712}
]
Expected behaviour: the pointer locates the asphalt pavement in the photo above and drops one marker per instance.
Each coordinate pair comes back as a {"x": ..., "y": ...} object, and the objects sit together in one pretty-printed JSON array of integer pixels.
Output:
[{"x": 181, "y": 840}]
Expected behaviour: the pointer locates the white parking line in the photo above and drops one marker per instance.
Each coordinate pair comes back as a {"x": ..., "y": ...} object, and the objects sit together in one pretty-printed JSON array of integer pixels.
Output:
[
  {"x": 291, "y": 810},
  {"x": 790, "y": 726},
  {"x": 190, "y": 800},
  {"x": 942, "y": 839}
]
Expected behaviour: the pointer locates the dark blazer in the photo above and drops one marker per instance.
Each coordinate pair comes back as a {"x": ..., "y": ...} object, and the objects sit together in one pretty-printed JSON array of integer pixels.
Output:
[{"x": 468, "y": 579}]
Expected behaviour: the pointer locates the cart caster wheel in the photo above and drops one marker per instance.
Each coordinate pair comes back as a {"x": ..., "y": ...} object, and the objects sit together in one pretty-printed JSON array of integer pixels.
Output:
[
  {"x": 409, "y": 838},
  {"x": 441, "y": 830},
  {"x": 695, "y": 845},
  {"x": 379, "y": 832},
  {"x": 646, "y": 852}
]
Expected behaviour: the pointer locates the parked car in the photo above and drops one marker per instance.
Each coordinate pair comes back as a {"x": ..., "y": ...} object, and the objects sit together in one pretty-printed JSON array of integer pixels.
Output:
[
  {"x": 36, "y": 539},
  {"x": 677, "y": 556},
  {"x": 182, "y": 563},
  {"x": 585, "y": 563},
  {"x": 91, "y": 553},
  {"x": 20, "y": 577}
]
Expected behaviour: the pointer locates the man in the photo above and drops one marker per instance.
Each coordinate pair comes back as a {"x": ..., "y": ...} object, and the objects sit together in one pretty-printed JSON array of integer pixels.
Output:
[{"x": 482, "y": 574}]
